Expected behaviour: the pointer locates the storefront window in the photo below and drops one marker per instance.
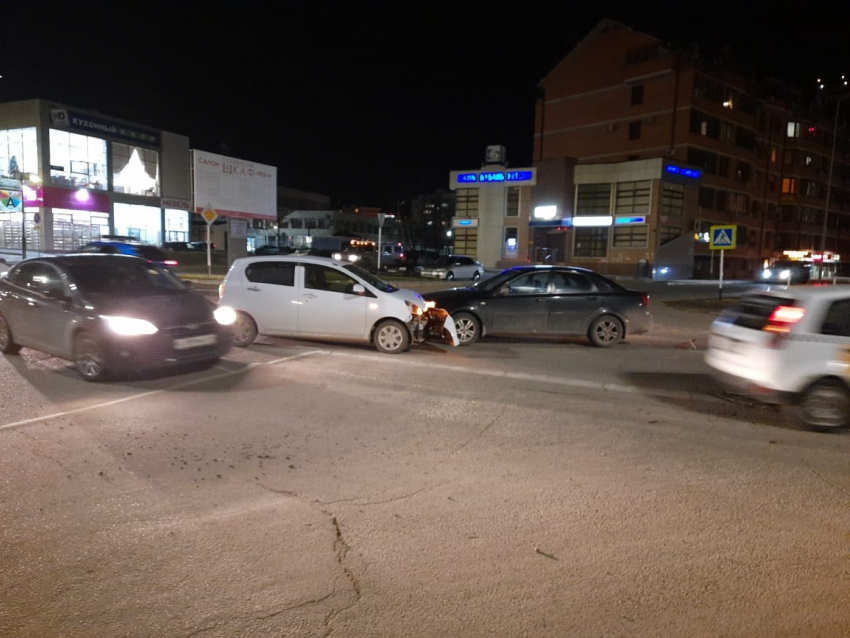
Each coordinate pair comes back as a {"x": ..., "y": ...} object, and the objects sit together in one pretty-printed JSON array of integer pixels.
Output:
[
  {"x": 139, "y": 222},
  {"x": 135, "y": 170},
  {"x": 77, "y": 160},
  {"x": 18, "y": 152},
  {"x": 74, "y": 228},
  {"x": 591, "y": 241},
  {"x": 176, "y": 225}
]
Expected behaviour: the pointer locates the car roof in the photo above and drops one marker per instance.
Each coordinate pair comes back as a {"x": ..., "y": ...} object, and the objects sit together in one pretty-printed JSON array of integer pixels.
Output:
[
  {"x": 540, "y": 267},
  {"x": 70, "y": 258},
  {"x": 298, "y": 258}
]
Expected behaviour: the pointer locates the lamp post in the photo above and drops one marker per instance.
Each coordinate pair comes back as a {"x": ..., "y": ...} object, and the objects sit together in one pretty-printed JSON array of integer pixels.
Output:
[{"x": 829, "y": 178}]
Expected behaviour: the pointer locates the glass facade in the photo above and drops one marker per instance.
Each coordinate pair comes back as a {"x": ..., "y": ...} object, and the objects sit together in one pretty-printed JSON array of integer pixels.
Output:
[
  {"x": 135, "y": 170},
  {"x": 18, "y": 152},
  {"x": 77, "y": 161}
]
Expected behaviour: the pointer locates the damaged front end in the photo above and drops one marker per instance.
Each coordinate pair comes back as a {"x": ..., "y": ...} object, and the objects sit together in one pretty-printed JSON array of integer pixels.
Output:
[{"x": 436, "y": 325}]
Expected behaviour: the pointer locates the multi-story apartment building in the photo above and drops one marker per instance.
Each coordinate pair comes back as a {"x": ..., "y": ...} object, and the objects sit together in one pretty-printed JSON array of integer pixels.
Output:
[{"x": 763, "y": 153}]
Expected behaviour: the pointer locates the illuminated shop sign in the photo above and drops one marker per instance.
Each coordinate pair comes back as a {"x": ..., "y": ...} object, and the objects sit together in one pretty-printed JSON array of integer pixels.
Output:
[
  {"x": 592, "y": 220},
  {"x": 629, "y": 220},
  {"x": 95, "y": 125},
  {"x": 498, "y": 177},
  {"x": 464, "y": 222},
  {"x": 681, "y": 170}
]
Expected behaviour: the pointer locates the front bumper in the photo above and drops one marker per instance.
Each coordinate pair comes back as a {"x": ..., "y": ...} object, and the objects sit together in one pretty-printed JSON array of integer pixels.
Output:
[
  {"x": 435, "y": 325},
  {"x": 164, "y": 349}
]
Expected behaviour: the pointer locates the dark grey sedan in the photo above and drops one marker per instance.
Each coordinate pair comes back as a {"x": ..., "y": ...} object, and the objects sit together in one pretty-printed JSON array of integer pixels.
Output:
[
  {"x": 547, "y": 300},
  {"x": 108, "y": 313}
]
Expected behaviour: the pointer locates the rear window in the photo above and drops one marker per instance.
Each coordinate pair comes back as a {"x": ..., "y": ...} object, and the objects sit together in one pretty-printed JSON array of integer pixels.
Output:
[{"x": 753, "y": 311}]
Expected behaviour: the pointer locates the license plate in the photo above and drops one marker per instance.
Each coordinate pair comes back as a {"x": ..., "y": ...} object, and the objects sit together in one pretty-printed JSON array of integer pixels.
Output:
[{"x": 194, "y": 342}]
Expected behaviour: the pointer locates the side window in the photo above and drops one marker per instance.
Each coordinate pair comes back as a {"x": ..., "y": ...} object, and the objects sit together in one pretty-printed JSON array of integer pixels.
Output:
[
  {"x": 329, "y": 279},
  {"x": 465, "y": 261},
  {"x": 529, "y": 284},
  {"x": 837, "y": 320},
  {"x": 38, "y": 278},
  {"x": 569, "y": 283},
  {"x": 276, "y": 273}
]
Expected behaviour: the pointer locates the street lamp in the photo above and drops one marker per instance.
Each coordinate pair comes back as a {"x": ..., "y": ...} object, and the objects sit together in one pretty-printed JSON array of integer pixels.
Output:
[{"x": 829, "y": 178}]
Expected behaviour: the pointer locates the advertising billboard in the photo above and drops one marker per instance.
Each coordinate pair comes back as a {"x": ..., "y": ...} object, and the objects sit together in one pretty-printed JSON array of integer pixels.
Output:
[{"x": 234, "y": 187}]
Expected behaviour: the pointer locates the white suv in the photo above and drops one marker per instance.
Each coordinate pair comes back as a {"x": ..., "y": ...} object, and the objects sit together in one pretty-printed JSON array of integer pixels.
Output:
[
  {"x": 788, "y": 347},
  {"x": 323, "y": 298}
]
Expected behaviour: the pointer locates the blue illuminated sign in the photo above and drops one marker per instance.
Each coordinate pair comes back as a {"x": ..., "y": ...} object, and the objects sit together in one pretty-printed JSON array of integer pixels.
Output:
[
  {"x": 518, "y": 176},
  {"x": 681, "y": 170},
  {"x": 464, "y": 222},
  {"x": 491, "y": 177},
  {"x": 630, "y": 220},
  {"x": 465, "y": 178}
]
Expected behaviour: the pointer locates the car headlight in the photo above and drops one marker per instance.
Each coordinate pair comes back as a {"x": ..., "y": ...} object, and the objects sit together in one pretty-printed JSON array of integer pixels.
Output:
[
  {"x": 785, "y": 274},
  {"x": 129, "y": 326},
  {"x": 414, "y": 309},
  {"x": 225, "y": 315}
]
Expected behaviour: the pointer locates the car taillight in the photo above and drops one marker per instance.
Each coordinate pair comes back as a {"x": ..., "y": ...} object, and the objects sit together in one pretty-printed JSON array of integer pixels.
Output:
[
  {"x": 170, "y": 262},
  {"x": 781, "y": 321},
  {"x": 645, "y": 300}
]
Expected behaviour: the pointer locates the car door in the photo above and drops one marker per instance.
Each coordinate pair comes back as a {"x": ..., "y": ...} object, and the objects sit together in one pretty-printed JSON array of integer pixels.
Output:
[
  {"x": 43, "y": 310},
  {"x": 271, "y": 296},
  {"x": 328, "y": 306},
  {"x": 573, "y": 302},
  {"x": 464, "y": 268},
  {"x": 519, "y": 306}
]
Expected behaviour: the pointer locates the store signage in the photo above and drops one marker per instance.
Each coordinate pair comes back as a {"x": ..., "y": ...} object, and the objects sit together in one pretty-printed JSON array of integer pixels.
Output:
[
  {"x": 464, "y": 222},
  {"x": 170, "y": 202},
  {"x": 681, "y": 170},
  {"x": 517, "y": 177},
  {"x": 104, "y": 126},
  {"x": 629, "y": 220}
]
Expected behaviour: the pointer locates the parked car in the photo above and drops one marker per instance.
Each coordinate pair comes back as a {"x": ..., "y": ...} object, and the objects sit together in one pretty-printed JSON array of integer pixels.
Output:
[
  {"x": 188, "y": 246},
  {"x": 271, "y": 249},
  {"x": 109, "y": 313},
  {"x": 120, "y": 245},
  {"x": 319, "y": 297},
  {"x": 788, "y": 347},
  {"x": 547, "y": 300},
  {"x": 786, "y": 272},
  {"x": 452, "y": 267}
]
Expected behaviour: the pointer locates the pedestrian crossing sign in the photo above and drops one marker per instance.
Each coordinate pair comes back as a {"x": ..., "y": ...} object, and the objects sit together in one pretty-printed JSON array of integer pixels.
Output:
[{"x": 723, "y": 237}]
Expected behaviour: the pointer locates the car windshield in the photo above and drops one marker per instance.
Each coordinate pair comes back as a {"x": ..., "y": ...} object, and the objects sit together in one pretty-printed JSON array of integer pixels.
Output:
[
  {"x": 129, "y": 277},
  {"x": 369, "y": 278}
]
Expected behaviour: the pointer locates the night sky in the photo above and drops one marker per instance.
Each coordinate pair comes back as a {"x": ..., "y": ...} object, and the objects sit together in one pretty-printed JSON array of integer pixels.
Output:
[{"x": 367, "y": 102}]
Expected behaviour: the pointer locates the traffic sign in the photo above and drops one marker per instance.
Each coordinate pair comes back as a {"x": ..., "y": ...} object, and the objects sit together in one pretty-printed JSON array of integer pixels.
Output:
[
  {"x": 723, "y": 237},
  {"x": 209, "y": 215}
]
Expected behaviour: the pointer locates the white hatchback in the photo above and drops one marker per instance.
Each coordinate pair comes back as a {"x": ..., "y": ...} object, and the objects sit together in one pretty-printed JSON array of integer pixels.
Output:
[
  {"x": 322, "y": 298},
  {"x": 788, "y": 347}
]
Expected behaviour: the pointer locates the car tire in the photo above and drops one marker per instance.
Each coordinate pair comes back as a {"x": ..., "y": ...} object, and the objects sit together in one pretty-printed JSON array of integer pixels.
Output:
[
  {"x": 7, "y": 343},
  {"x": 468, "y": 328},
  {"x": 244, "y": 330},
  {"x": 450, "y": 276},
  {"x": 89, "y": 357},
  {"x": 605, "y": 331},
  {"x": 825, "y": 405},
  {"x": 391, "y": 337}
]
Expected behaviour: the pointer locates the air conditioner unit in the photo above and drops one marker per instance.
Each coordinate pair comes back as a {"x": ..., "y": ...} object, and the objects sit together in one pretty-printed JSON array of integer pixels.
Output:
[{"x": 649, "y": 119}]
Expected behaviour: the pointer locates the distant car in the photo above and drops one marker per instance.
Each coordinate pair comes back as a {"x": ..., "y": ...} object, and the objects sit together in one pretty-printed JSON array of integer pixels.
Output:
[
  {"x": 189, "y": 246},
  {"x": 271, "y": 249},
  {"x": 788, "y": 347},
  {"x": 452, "y": 267},
  {"x": 786, "y": 272},
  {"x": 116, "y": 245},
  {"x": 547, "y": 300},
  {"x": 316, "y": 297},
  {"x": 109, "y": 313}
]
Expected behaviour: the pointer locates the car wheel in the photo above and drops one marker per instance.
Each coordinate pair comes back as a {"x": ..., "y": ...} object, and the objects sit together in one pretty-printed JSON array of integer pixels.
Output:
[
  {"x": 450, "y": 276},
  {"x": 244, "y": 330},
  {"x": 7, "y": 344},
  {"x": 468, "y": 328},
  {"x": 391, "y": 337},
  {"x": 825, "y": 405},
  {"x": 89, "y": 359},
  {"x": 605, "y": 331}
]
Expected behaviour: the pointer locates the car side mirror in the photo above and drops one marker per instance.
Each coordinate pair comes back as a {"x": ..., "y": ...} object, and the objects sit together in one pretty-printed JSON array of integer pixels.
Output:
[{"x": 357, "y": 289}]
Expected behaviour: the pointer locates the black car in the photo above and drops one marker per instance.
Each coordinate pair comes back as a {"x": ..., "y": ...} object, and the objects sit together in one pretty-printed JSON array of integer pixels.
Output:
[
  {"x": 546, "y": 300},
  {"x": 109, "y": 313},
  {"x": 120, "y": 245},
  {"x": 786, "y": 271}
]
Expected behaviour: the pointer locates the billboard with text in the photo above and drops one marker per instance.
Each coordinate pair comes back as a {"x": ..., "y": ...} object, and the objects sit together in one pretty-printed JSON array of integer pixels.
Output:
[{"x": 234, "y": 187}]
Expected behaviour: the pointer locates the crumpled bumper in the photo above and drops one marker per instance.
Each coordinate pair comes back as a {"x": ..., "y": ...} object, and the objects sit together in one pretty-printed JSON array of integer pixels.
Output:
[{"x": 435, "y": 325}]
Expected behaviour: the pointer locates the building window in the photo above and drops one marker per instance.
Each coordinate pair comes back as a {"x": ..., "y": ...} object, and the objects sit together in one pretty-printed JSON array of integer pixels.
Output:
[
  {"x": 637, "y": 94},
  {"x": 631, "y": 236},
  {"x": 135, "y": 170},
  {"x": 789, "y": 185},
  {"x": 742, "y": 172},
  {"x": 634, "y": 130},
  {"x": 593, "y": 199},
  {"x": 704, "y": 159},
  {"x": 672, "y": 199},
  {"x": 726, "y": 131},
  {"x": 669, "y": 233},
  {"x": 705, "y": 125},
  {"x": 706, "y": 197},
  {"x": 632, "y": 198},
  {"x": 793, "y": 129},
  {"x": 467, "y": 202},
  {"x": 723, "y": 166},
  {"x": 77, "y": 160},
  {"x": 18, "y": 152},
  {"x": 773, "y": 153},
  {"x": 591, "y": 241},
  {"x": 511, "y": 241},
  {"x": 512, "y": 202}
]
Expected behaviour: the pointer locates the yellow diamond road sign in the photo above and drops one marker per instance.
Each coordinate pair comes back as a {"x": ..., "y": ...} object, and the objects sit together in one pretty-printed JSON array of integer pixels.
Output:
[{"x": 209, "y": 215}]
